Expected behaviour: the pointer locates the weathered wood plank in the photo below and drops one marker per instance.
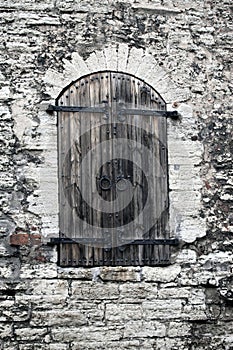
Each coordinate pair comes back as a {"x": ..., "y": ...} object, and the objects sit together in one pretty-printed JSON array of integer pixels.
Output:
[{"x": 78, "y": 135}]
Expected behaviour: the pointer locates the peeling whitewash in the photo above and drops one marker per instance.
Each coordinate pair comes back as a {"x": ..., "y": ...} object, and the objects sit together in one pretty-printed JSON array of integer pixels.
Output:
[{"x": 183, "y": 49}]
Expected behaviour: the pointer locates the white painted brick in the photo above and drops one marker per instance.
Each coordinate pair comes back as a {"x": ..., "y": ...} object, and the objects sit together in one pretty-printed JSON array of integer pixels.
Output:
[
  {"x": 122, "y": 57},
  {"x": 87, "y": 334},
  {"x": 179, "y": 329},
  {"x": 140, "y": 329},
  {"x": 184, "y": 152},
  {"x": 93, "y": 63},
  {"x": 186, "y": 256},
  {"x": 121, "y": 274},
  {"x": 156, "y": 309},
  {"x": 101, "y": 60},
  {"x": 191, "y": 228},
  {"x": 106, "y": 345},
  {"x": 38, "y": 271},
  {"x": 80, "y": 273},
  {"x": 131, "y": 292},
  {"x": 49, "y": 287},
  {"x": 123, "y": 312},
  {"x": 185, "y": 202},
  {"x": 194, "y": 312},
  {"x": 58, "y": 318},
  {"x": 177, "y": 94},
  {"x": 148, "y": 65},
  {"x": 30, "y": 333},
  {"x": 80, "y": 65},
  {"x": 161, "y": 274},
  {"x": 94, "y": 290},
  {"x": 54, "y": 78},
  {"x": 71, "y": 71},
  {"x": 42, "y": 301},
  {"x": 111, "y": 57},
  {"x": 4, "y": 93},
  {"x": 185, "y": 177},
  {"x": 56, "y": 346}
]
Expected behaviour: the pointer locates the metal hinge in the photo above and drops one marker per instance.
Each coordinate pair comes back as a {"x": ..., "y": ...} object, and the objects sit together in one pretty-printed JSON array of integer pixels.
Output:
[
  {"x": 122, "y": 111},
  {"x": 52, "y": 108},
  {"x": 158, "y": 241},
  {"x": 172, "y": 114}
]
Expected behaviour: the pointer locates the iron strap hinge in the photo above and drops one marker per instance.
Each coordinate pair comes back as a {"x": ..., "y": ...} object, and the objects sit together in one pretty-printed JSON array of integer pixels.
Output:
[
  {"x": 121, "y": 111},
  {"x": 52, "y": 108},
  {"x": 89, "y": 241}
]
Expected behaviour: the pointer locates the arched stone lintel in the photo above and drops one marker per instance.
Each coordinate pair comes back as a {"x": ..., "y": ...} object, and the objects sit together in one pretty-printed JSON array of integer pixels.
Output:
[
  {"x": 141, "y": 64},
  {"x": 117, "y": 57}
]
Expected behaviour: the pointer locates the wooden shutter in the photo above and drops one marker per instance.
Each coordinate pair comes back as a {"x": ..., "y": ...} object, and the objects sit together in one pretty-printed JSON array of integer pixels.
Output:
[{"x": 112, "y": 145}]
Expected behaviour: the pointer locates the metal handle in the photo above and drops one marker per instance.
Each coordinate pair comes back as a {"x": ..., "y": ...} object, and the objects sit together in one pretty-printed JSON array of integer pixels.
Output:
[
  {"x": 121, "y": 184},
  {"x": 105, "y": 183}
]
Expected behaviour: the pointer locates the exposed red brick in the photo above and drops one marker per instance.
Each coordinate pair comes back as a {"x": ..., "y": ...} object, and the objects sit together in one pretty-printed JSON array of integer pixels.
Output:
[
  {"x": 19, "y": 239},
  {"x": 207, "y": 185}
]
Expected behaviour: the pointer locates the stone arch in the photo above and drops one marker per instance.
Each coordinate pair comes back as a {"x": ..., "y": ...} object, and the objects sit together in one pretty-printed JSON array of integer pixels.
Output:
[
  {"x": 184, "y": 155},
  {"x": 145, "y": 83},
  {"x": 117, "y": 58}
]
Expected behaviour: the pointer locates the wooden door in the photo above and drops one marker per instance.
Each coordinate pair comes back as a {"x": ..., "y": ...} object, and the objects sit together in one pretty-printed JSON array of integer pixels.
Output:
[{"x": 113, "y": 189}]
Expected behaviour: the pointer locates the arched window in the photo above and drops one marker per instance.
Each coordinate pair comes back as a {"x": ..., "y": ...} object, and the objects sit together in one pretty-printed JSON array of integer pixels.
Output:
[{"x": 113, "y": 182}]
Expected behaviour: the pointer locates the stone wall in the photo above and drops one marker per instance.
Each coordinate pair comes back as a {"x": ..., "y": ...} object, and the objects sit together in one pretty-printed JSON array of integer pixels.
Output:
[{"x": 181, "y": 48}]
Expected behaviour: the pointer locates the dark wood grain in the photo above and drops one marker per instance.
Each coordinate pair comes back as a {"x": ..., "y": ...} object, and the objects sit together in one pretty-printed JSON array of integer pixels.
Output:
[{"x": 79, "y": 133}]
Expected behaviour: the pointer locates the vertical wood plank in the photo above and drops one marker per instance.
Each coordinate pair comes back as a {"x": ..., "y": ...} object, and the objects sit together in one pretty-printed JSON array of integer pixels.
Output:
[{"x": 78, "y": 134}]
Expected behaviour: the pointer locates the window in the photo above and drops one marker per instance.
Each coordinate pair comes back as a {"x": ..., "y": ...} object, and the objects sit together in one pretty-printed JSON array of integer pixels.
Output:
[{"x": 113, "y": 183}]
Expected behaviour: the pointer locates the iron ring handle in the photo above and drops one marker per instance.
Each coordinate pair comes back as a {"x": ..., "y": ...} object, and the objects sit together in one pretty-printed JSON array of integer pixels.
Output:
[
  {"x": 107, "y": 180},
  {"x": 122, "y": 181}
]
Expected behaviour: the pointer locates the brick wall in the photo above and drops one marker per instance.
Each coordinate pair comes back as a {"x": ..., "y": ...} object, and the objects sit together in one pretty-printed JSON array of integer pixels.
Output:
[{"x": 183, "y": 50}]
